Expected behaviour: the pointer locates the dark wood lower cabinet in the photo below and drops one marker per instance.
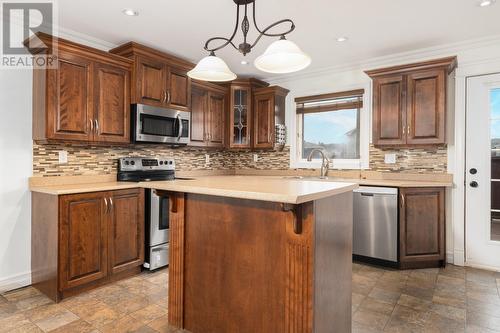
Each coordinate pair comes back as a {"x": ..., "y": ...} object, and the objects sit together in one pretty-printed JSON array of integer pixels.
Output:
[
  {"x": 422, "y": 227},
  {"x": 80, "y": 241}
]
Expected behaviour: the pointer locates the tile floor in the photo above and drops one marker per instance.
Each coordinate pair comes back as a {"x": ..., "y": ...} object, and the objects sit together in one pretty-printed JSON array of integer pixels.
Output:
[{"x": 453, "y": 299}]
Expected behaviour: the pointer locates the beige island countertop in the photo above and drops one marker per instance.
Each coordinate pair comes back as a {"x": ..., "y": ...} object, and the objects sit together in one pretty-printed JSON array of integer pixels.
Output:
[{"x": 275, "y": 189}]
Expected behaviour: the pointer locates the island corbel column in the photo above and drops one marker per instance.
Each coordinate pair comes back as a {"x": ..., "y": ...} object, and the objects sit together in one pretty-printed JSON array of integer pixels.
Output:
[{"x": 242, "y": 265}]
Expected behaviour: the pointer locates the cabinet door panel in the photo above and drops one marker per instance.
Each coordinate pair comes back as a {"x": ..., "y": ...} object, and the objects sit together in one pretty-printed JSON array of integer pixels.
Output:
[
  {"x": 69, "y": 105},
  {"x": 263, "y": 121},
  {"x": 240, "y": 117},
  {"x": 199, "y": 107},
  {"x": 422, "y": 224},
  {"x": 126, "y": 241},
  {"x": 150, "y": 82},
  {"x": 112, "y": 106},
  {"x": 389, "y": 110},
  {"x": 215, "y": 125},
  {"x": 426, "y": 107},
  {"x": 179, "y": 89},
  {"x": 83, "y": 240}
]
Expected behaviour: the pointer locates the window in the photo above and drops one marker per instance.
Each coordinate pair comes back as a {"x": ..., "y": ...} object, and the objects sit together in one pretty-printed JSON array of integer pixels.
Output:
[{"x": 332, "y": 123}]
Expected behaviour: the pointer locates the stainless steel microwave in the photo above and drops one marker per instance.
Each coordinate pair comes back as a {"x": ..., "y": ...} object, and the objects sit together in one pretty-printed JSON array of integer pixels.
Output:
[{"x": 158, "y": 125}]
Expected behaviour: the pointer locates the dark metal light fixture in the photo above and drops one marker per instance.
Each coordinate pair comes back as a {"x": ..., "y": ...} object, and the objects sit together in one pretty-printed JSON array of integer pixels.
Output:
[{"x": 282, "y": 56}]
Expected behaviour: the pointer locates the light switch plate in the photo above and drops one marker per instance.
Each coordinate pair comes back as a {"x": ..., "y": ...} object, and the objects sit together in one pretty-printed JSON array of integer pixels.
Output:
[
  {"x": 63, "y": 156},
  {"x": 207, "y": 159},
  {"x": 255, "y": 158},
  {"x": 390, "y": 159}
]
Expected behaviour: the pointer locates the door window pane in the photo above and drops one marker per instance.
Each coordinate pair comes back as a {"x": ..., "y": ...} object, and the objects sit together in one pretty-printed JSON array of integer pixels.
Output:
[
  {"x": 336, "y": 132},
  {"x": 495, "y": 163}
]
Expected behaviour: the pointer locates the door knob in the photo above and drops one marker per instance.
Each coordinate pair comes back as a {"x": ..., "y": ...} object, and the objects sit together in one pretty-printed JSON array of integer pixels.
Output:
[
  {"x": 473, "y": 184},
  {"x": 473, "y": 171}
]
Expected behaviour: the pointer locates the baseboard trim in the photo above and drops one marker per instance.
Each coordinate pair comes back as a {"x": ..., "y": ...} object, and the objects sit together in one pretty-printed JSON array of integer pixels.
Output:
[
  {"x": 15, "y": 281},
  {"x": 459, "y": 258},
  {"x": 449, "y": 257},
  {"x": 479, "y": 266}
]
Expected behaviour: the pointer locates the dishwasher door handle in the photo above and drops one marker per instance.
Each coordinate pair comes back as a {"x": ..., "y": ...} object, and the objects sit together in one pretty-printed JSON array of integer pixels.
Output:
[{"x": 367, "y": 194}]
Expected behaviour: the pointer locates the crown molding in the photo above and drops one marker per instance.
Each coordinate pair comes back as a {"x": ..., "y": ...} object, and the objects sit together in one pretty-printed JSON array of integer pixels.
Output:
[
  {"x": 84, "y": 39},
  {"x": 450, "y": 49}
]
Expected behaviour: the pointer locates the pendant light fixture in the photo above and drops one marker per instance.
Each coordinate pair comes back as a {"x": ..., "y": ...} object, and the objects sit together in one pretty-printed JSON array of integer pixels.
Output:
[{"x": 282, "y": 56}]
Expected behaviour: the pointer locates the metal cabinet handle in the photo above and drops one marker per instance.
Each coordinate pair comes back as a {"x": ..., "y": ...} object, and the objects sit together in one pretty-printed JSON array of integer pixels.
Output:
[
  {"x": 404, "y": 127},
  {"x": 408, "y": 129},
  {"x": 402, "y": 200},
  {"x": 96, "y": 126},
  {"x": 112, "y": 205},
  {"x": 167, "y": 95},
  {"x": 106, "y": 203},
  {"x": 91, "y": 125}
]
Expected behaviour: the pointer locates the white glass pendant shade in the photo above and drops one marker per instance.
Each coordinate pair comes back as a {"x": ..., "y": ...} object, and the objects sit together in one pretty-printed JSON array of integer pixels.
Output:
[
  {"x": 212, "y": 68},
  {"x": 282, "y": 56}
]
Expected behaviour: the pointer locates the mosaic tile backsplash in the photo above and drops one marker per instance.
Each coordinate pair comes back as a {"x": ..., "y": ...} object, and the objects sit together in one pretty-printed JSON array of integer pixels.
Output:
[
  {"x": 99, "y": 160},
  {"x": 89, "y": 160}
]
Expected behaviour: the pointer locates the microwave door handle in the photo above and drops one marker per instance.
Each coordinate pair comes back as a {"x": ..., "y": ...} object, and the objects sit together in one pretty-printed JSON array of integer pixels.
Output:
[{"x": 180, "y": 127}]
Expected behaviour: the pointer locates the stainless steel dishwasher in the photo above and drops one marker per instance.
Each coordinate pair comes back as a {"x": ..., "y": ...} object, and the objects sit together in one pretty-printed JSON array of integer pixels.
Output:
[{"x": 375, "y": 229}]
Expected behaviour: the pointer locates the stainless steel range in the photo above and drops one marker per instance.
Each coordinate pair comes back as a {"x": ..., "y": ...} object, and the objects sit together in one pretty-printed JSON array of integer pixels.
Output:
[{"x": 157, "y": 218}]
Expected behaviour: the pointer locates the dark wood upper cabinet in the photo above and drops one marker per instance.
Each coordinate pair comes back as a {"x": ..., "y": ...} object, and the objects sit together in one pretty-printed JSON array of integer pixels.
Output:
[
  {"x": 68, "y": 114},
  {"x": 208, "y": 113},
  {"x": 158, "y": 78},
  {"x": 85, "y": 99},
  {"x": 216, "y": 118},
  {"x": 266, "y": 102},
  {"x": 126, "y": 230},
  {"x": 179, "y": 89},
  {"x": 82, "y": 239},
  {"x": 389, "y": 118},
  {"x": 426, "y": 107},
  {"x": 150, "y": 77},
  {"x": 409, "y": 103},
  {"x": 240, "y": 112},
  {"x": 112, "y": 110},
  {"x": 422, "y": 226},
  {"x": 199, "y": 111}
]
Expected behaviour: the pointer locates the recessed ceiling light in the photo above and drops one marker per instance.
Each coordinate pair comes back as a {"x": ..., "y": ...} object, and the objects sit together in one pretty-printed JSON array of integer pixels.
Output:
[
  {"x": 486, "y": 3},
  {"x": 342, "y": 39},
  {"x": 244, "y": 62},
  {"x": 130, "y": 12}
]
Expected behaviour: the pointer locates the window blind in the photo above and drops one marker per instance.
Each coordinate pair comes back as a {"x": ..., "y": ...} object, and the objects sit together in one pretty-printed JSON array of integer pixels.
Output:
[{"x": 352, "y": 99}]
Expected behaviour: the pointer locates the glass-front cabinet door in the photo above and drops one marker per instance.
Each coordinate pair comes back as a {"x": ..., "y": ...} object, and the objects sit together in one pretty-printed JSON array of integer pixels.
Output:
[{"x": 240, "y": 117}]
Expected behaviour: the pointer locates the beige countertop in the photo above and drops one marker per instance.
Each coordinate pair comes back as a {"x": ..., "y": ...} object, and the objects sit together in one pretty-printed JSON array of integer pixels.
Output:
[
  {"x": 287, "y": 189},
  {"x": 275, "y": 189}
]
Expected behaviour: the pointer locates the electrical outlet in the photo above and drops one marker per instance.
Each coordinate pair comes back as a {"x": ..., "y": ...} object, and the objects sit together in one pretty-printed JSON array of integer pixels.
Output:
[
  {"x": 390, "y": 158},
  {"x": 207, "y": 159},
  {"x": 255, "y": 158},
  {"x": 63, "y": 157}
]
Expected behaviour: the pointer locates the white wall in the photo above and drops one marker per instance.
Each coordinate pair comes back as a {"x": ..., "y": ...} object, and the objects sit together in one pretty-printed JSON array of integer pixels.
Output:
[
  {"x": 15, "y": 169},
  {"x": 474, "y": 58}
]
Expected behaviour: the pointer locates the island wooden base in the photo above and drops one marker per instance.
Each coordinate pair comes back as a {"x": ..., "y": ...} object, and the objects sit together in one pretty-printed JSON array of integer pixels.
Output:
[{"x": 240, "y": 265}]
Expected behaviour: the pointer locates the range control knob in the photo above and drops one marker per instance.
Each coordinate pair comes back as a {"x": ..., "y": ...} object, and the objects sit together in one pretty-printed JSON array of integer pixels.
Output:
[{"x": 132, "y": 162}]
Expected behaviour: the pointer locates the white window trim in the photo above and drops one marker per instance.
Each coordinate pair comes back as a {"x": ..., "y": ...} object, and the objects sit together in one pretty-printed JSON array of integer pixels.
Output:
[{"x": 296, "y": 162}]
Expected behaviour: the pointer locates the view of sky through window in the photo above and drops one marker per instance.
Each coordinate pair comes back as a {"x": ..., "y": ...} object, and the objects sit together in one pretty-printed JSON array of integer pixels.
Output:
[{"x": 336, "y": 132}]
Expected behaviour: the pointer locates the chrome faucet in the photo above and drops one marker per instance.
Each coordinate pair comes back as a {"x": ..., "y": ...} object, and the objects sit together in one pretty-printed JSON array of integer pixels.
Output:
[{"x": 324, "y": 164}]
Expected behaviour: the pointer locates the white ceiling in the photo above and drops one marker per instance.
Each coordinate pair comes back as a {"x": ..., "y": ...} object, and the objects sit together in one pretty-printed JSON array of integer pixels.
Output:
[{"x": 375, "y": 27}]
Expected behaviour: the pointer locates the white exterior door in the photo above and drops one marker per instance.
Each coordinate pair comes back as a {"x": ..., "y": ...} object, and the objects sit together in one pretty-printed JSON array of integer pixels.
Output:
[{"x": 482, "y": 194}]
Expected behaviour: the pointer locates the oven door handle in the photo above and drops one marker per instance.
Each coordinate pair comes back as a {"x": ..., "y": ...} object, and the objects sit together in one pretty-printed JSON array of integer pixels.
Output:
[{"x": 179, "y": 119}]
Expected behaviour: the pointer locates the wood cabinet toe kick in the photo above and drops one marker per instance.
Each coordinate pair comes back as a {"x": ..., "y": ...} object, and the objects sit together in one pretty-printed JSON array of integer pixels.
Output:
[{"x": 256, "y": 266}]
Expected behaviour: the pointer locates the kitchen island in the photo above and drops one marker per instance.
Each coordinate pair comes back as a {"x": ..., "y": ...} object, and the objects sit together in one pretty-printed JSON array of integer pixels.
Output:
[{"x": 259, "y": 255}]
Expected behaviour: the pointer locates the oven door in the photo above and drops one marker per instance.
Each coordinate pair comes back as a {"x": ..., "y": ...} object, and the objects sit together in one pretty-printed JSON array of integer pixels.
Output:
[
  {"x": 159, "y": 219},
  {"x": 160, "y": 125}
]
